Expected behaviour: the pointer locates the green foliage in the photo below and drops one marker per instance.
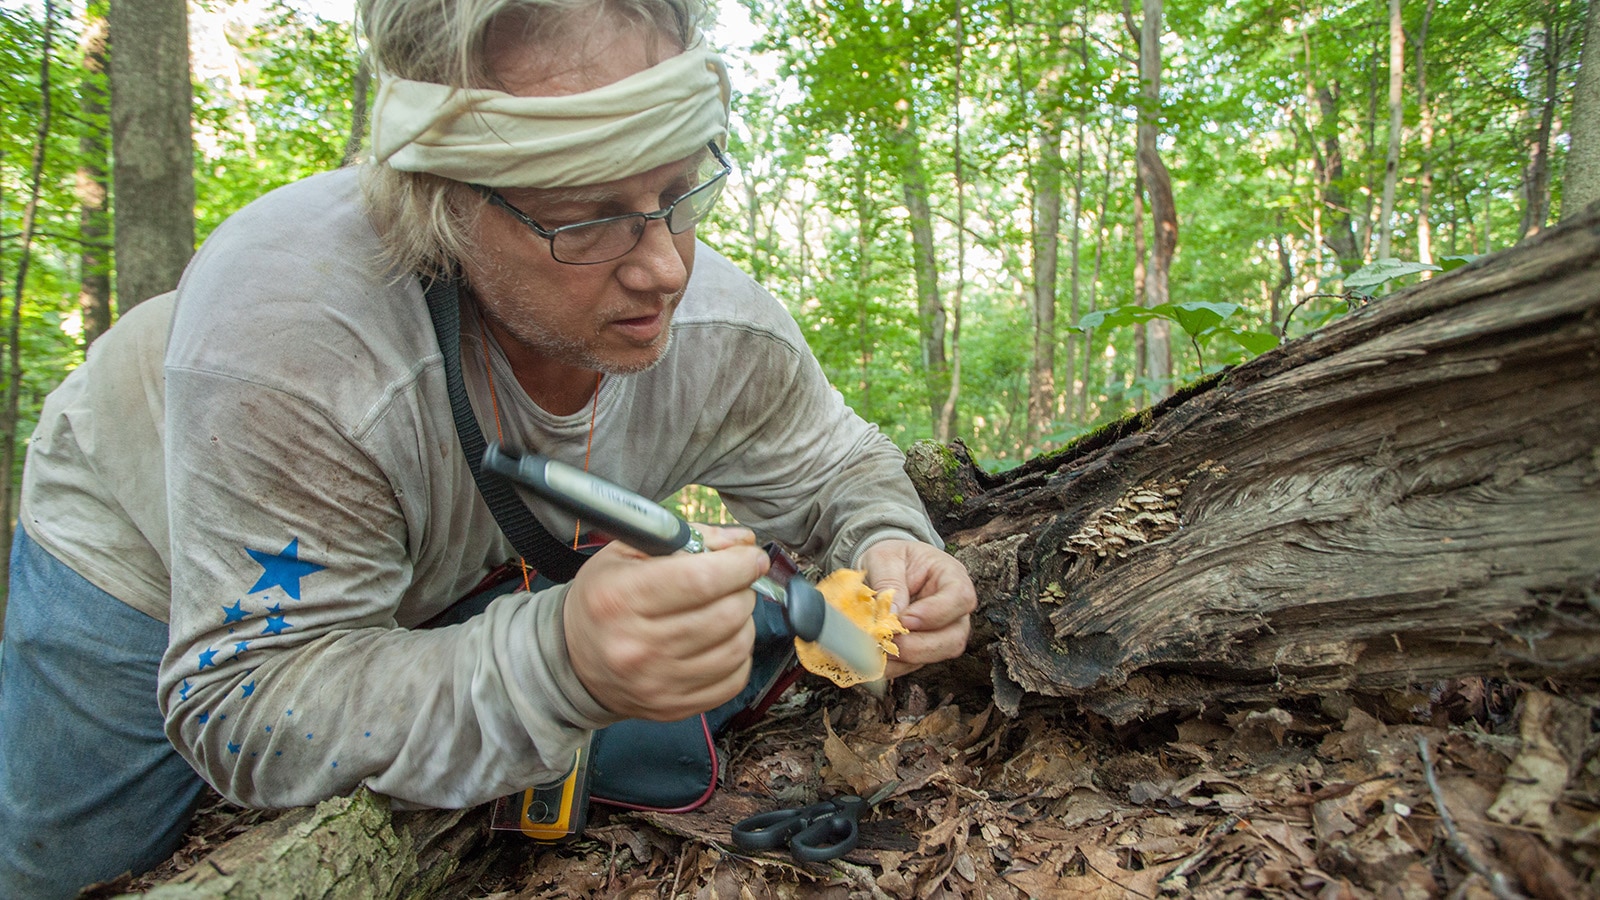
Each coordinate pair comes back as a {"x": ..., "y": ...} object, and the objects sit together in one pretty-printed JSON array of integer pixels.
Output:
[
  {"x": 1272, "y": 127},
  {"x": 1368, "y": 279}
]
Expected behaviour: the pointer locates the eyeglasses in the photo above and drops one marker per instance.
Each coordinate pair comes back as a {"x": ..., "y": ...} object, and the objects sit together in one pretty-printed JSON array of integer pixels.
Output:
[{"x": 603, "y": 240}]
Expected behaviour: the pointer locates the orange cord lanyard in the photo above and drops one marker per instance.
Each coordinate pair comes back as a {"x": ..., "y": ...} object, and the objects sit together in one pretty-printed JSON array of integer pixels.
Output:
[{"x": 499, "y": 436}]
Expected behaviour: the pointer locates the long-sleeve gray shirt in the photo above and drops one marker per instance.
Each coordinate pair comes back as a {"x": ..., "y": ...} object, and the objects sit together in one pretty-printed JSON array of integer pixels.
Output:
[{"x": 287, "y": 490}]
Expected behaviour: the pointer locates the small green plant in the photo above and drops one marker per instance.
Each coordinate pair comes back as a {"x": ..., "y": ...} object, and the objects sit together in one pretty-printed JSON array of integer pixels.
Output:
[
  {"x": 1200, "y": 320},
  {"x": 1364, "y": 283}
]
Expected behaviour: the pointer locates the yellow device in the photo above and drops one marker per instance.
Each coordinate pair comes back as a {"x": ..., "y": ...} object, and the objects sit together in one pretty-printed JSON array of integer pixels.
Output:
[{"x": 549, "y": 812}]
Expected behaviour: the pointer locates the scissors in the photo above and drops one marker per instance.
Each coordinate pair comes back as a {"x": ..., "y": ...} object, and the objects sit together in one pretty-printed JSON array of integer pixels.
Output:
[{"x": 815, "y": 833}]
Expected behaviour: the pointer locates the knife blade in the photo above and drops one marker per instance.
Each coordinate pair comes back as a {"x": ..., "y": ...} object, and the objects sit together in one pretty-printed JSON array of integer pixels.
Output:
[{"x": 651, "y": 529}]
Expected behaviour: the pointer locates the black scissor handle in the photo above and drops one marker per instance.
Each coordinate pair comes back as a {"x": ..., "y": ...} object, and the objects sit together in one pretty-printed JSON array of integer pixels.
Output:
[
  {"x": 832, "y": 836},
  {"x": 771, "y": 830}
]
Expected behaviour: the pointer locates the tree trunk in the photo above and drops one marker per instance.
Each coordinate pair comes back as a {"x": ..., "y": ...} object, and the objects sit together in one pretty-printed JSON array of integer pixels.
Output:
[
  {"x": 1046, "y": 248},
  {"x": 1339, "y": 231},
  {"x": 1391, "y": 165},
  {"x": 1536, "y": 180},
  {"x": 1409, "y": 494},
  {"x": 153, "y": 160},
  {"x": 930, "y": 308},
  {"x": 1425, "y": 139},
  {"x": 10, "y": 407},
  {"x": 1581, "y": 184},
  {"x": 94, "y": 185},
  {"x": 1157, "y": 362}
]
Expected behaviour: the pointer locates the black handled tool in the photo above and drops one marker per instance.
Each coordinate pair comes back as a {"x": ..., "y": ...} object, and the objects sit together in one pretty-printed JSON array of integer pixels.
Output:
[
  {"x": 651, "y": 529},
  {"x": 815, "y": 833}
]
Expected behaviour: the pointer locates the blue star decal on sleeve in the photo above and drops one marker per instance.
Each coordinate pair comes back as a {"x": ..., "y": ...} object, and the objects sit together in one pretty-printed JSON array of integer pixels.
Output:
[
  {"x": 234, "y": 613},
  {"x": 183, "y": 692},
  {"x": 282, "y": 569},
  {"x": 249, "y": 688},
  {"x": 241, "y": 647},
  {"x": 208, "y": 657},
  {"x": 234, "y": 748},
  {"x": 276, "y": 625}
]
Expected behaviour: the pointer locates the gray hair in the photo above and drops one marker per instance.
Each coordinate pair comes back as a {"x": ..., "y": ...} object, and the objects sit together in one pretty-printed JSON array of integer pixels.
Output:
[{"x": 424, "y": 220}]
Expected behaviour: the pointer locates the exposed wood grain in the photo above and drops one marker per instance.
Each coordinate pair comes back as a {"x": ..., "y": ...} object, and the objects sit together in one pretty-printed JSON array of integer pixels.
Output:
[{"x": 1409, "y": 494}]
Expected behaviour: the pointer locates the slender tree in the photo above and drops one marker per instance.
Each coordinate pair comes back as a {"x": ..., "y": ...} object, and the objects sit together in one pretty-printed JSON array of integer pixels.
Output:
[
  {"x": 153, "y": 161},
  {"x": 1391, "y": 165},
  {"x": 30, "y": 213},
  {"x": 93, "y": 181},
  {"x": 1158, "y": 184},
  {"x": 1581, "y": 184}
]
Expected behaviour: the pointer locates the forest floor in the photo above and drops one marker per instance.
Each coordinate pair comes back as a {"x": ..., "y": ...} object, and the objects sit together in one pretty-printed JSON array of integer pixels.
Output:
[{"x": 1471, "y": 789}]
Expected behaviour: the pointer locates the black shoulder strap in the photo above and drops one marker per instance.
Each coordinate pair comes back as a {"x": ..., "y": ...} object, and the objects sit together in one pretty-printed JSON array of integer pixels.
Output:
[{"x": 538, "y": 547}]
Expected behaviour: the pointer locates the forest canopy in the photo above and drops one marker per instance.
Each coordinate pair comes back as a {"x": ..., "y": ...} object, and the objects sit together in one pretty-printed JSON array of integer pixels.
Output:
[{"x": 965, "y": 204}]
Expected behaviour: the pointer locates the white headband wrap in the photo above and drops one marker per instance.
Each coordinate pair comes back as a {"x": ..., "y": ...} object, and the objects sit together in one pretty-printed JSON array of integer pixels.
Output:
[{"x": 646, "y": 120}]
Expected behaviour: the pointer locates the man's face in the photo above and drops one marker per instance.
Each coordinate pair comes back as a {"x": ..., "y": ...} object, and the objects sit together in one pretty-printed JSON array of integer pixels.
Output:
[{"x": 567, "y": 319}]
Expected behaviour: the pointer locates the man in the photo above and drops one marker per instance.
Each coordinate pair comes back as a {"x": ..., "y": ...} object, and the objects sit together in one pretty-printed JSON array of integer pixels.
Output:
[{"x": 267, "y": 495}]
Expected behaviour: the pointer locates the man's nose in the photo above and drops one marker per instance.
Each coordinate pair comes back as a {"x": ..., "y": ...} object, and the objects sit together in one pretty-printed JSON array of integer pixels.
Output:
[{"x": 656, "y": 264}]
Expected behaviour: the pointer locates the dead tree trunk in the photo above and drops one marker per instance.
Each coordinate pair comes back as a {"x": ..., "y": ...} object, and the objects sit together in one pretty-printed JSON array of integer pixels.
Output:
[{"x": 1409, "y": 494}]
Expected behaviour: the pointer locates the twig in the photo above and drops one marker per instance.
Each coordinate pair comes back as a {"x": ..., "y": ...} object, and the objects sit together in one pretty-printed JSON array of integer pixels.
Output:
[
  {"x": 1175, "y": 880},
  {"x": 1348, "y": 297},
  {"x": 1497, "y": 881},
  {"x": 862, "y": 876}
]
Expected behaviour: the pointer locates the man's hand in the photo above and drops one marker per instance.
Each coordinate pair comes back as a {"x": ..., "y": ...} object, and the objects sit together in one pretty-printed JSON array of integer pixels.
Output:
[
  {"x": 933, "y": 596},
  {"x": 665, "y": 637}
]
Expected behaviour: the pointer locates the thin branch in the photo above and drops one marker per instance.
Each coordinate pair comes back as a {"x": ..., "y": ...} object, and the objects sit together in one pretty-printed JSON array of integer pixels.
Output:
[{"x": 1497, "y": 881}]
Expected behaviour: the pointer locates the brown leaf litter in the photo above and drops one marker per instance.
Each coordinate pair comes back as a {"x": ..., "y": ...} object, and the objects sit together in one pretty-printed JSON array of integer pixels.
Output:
[{"x": 1473, "y": 789}]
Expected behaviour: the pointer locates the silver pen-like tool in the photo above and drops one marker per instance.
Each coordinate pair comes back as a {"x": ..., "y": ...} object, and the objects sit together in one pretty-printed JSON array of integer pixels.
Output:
[{"x": 648, "y": 527}]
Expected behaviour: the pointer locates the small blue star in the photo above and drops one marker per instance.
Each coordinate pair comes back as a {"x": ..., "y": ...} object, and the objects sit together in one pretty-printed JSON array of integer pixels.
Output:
[
  {"x": 282, "y": 569},
  {"x": 234, "y": 613},
  {"x": 269, "y": 729},
  {"x": 336, "y": 764},
  {"x": 275, "y": 609},
  {"x": 308, "y": 735},
  {"x": 183, "y": 692},
  {"x": 204, "y": 717},
  {"x": 234, "y": 748},
  {"x": 276, "y": 625},
  {"x": 208, "y": 657},
  {"x": 288, "y": 712},
  {"x": 241, "y": 647},
  {"x": 249, "y": 689}
]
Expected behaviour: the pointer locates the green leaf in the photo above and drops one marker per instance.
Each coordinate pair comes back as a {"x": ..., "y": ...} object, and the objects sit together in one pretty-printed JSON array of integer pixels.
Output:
[
  {"x": 1256, "y": 342},
  {"x": 1451, "y": 263},
  {"x": 1198, "y": 316},
  {"x": 1380, "y": 272},
  {"x": 1116, "y": 317}
]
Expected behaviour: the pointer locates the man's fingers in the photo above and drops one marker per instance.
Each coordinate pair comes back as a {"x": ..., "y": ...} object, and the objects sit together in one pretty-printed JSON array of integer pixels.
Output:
[{"x": 717, "y": 537}]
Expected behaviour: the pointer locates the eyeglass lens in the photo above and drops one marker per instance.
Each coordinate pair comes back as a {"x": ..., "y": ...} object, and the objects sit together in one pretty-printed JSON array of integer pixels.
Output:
[{"x": 607, "y": 239}]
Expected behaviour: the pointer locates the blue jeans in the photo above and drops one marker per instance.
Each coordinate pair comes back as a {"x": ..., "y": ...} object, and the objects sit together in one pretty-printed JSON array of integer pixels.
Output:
[{"x": 89, "y": 785}]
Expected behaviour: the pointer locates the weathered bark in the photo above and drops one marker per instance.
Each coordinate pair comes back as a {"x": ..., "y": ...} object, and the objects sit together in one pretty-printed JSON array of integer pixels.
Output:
[
  {"x": 1582, "y": 180},
  {"x": 347, "y": 847},
  {"x": 152, "y": 170},
  {"x": 1410, "y": 494}
]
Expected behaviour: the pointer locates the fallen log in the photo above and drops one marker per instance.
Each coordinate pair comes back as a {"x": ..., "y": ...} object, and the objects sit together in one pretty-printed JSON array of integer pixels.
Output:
[{"x": 1409, "y": 494}]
